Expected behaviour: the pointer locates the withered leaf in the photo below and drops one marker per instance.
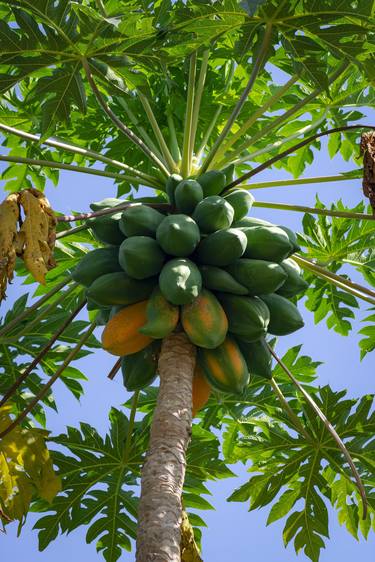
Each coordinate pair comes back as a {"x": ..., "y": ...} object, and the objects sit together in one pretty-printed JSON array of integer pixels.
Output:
[
  {"x": 9, "y": 216},
  {"x": 36, "y": 238}
]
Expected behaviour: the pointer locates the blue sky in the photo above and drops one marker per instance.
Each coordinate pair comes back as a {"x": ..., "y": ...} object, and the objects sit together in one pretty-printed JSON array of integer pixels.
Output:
[{"x": 232, "y": 531}]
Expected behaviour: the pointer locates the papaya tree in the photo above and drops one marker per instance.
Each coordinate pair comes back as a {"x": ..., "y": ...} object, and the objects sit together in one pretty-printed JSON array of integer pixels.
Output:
[{"x": 182, "y": 105}]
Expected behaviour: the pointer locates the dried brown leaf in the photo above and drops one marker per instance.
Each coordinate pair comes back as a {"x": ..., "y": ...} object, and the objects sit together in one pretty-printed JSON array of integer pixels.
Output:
[
  {"x": 368, "y": 151},
  {"x": 36, "y": 238},
  {"x": 9, "y": 216},
  {"x": 188, "y": 546}
]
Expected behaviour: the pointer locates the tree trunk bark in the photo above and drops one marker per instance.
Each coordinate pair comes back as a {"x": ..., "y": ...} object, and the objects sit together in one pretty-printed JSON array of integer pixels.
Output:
[{"x": 160, "y": 510}]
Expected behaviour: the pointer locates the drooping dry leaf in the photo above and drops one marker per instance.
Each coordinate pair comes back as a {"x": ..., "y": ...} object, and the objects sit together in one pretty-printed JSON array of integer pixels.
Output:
[
  {"x": 9, "y": 215},
  {"x": 36, "y": 238},
  {"x": 188, "y": 546},
  {"x": 26, "y": 469},
  {"x": 368, "y": 151}
]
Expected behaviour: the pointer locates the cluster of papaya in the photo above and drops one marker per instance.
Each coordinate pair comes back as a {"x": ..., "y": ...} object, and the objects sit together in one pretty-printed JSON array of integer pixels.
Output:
[{"x": 225, "y": 278}]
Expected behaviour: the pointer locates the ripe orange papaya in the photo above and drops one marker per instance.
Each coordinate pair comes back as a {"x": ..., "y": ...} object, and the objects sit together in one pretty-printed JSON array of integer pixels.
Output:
[
  {"x": 121, "y": 335},
  {"x": 201, "y": 390},
  {"x": 225, "y": 367},
  {"x": 204, "y": 320}
]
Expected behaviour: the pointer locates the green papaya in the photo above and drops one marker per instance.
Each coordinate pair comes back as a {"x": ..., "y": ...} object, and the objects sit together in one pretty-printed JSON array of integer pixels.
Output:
[
  {"x": 268, "y": 243},
  {"x": 102, "y": 316},
  {"x": 258, "y": 276},
  {"x": 91, "y": 304},
  {"x": 248, "y": 317},
  {"x": 229, "y": 174},
  {"x": 187, "y": 195},
  {"x": 258, "y": 357},
  {"x": 106, "y": 229},
  {"x": 96, "y": 263},
  {"x": 141, "y": 257},
  {"x": 170, "y": 187},
  {"x": 251, "y": 221},
  {"x": 140, "y": 220},
  {"x": 294, "y": 283},
  {"x": 213, "y": 213},
  {"x": 140, "y": 369},
  {"x": 180, "y": 281},
  {"x": 119, "y": 288},
  {"x": 178, "y": 235},
  {"x": 292, "y": 239},
  {"x": 284, "y": 315},
  {"x": 221, "y": 247},
  {"x": 162, "y": 316},
  {"x": 217, "y": 279},
  {"x": 241, "y": 201},
  {"x": 107, "y": 203},
  {"x": 212, "y": 182}
]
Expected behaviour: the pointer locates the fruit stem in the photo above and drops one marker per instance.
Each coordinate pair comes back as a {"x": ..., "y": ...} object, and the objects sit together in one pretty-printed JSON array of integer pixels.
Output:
[
  {"x": 292, "y": 149},
  {"x": 158, "y": 134},
  {"x": 115, "y": 369},
  {"x": 77, "y": 150},
  {"x": 50, "y": 382},
  {"x": 258, "y": 65},
  {"x": 198, "y": 97},
  {"x": 13, "y": 323},
  {"x": 353, "y": 288},
  {"x": 119, "y": 124},
  {"x": 187, "y": 149},
  {"x": 9, "y": 393},
  {"x": 329, "y": 428},
  {"x": 81, "y": 169},
  {"x": 314, "y": 210}
]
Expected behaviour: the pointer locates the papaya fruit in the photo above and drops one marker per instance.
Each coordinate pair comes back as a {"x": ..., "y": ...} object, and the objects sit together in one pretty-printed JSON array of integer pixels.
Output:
[
  {"x": 91, "y": 304},
  {"x": 221, "y": 247},
  {"x": 180, "y": 281},
  {"x": 241, "y": 201},
  {"x": 258, "y": 358},
  {"x": 96, "y": 263},
  {"x": 201, "y": 390},
  {"x": 204, "y": 321},
  {"x": 251, "y": 221},
  {"x": 121, "y": 335},
  {"x": 170, "y": 187},
  {"x": 292, "y": 239},
  {"x": 107, "y": 203},
  {"x": 212, "y": 182},
  {"x": 140, "y": 369},
  {"x": 248, "y": 317},
  {"x": 217, "y": 279},
  {"x": 119, "y": 288},
  {"x": 106, "y": 229},
  {"x": 162, "y": 316},
  {"x": 294, "y": 282},
  {"x": 224, "y": 367},
  {"x": 268, "y": 243},
  {"x": 102, "y": 316},
  {"x": 141, "y": 257},
  {"x": 187, "y": 195},
  {"x": 115, "y": 309},
  {"x": 140, "y": 220},
  {"x": 284, "y": 315},
  {"x": 178, "y": 235},
  {"x": 229, "y": 174},
  {"x": 258, "y": 276},
  {"x": 213, "y": 213}
]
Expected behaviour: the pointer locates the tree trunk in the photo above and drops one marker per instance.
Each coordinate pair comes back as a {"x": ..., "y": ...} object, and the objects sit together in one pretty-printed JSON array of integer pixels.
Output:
[{"x": 160, "y": 511}]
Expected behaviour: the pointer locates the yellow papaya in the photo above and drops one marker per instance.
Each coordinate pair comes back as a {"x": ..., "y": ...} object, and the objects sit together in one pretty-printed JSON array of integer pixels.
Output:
[
  {"x": 121, "y": 335},
  {"x": 201, "y": 390},
  {"x": 204, "y": 320}
]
